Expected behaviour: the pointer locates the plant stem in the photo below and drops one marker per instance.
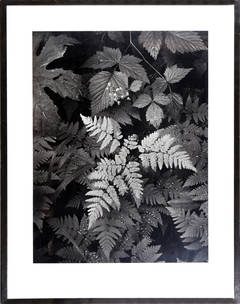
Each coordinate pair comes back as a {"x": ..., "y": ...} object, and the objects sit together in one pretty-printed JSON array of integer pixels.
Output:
[{"x": 147, "y": 62}]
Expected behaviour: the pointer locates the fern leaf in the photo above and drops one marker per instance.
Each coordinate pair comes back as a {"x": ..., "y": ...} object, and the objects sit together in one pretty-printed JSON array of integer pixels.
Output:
[
  {"x": 171, "y": 185},
  {"x": 161, "y": 150},
  {"x": 107, "y": 129},
  {"x": 201, "y": 177},
  {"x": 200, "y": 193},
  {"x": 134, "y": 180},
  {"x": 68, "y": 228},
  {"x": 103, "y": 195},
  {"x": 192, "y": 227},
  {"x": 143, "y": 252},
  {"x": 152, "y": 215},
  {"x": 153, "y": 195},
  {"x": 70, "y": 254},
  {"x": 199, "y": 113},
  {"x": 111, "y": 180},
  {"x": 108, "y": 232},
  {"x": 101, "y": 199}
]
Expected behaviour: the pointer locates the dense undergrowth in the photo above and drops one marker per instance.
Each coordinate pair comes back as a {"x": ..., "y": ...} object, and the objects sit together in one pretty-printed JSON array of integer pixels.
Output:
[{"x": 120, "y": 147}]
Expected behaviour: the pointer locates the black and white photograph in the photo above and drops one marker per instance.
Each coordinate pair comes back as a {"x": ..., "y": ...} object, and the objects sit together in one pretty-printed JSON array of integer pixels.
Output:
[{"x": 120, "y": 147}]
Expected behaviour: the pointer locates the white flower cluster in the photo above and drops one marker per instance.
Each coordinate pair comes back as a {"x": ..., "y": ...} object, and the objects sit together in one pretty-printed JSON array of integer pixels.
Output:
[{"x": 116, "y": 94}]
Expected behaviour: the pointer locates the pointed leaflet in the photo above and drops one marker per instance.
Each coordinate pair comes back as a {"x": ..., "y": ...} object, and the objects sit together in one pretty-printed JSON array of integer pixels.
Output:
[
  {"x": 105, "y": 59},
  {"x": 142, "y": 101},
  {"x": 154, "y": 115},
  {"x": 174, "y": 74},
  {"x": 162, "y": 99},
  {"x": 184, "y": 42},
  {"x": 152, "y": 42},
  {"x": 136, "y": 86},
  {"x": 176, "y": 97},
  {"x": 130, "y": 65},
  {"x": 159, "y": 86},
  {"x": 65, "y": 83},
  {"x": 105, "y": 88}
]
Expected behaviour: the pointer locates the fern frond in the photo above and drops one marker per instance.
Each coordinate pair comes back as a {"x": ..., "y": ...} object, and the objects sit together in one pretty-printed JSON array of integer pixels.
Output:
[
  {"x": 158, "y": 151},
  {"x": 201, "y": 177},
  {"x": 70, "y": 254},
  {"x": 103, "y": 195},
  {"x": 112, "y": 178},
  {"x": 171, "y": 185},
  {"x": 107, "y": 129},
  {"x": 68, "y": 228},
  {"x": 41, "y": 157},
  {"x": 133, "y": 178},
  {"x": 64, "y": 224},
  {"x": 153, "y": 195},
  {"x": 40, "y": 177},
  {"x": 108, "y": 232},
  {"x": 193, "y": 228},
  {"x": 152, "y": 215},
  {"x": 143, "y": 252},
  {"x": 200, "y": 193},
  {"x": 106, "y": 169},
  {"x": 93, "y": 148},
  {"x": 75, "y": 202},
  {"x": 128, "y": 214},
  {"x": 42, "y": 144},
  {"x": 199, "y": 113}
]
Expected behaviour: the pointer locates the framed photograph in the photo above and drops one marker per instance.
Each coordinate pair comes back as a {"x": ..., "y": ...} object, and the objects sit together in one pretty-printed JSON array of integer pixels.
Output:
[{"x": 120, "y": 151}]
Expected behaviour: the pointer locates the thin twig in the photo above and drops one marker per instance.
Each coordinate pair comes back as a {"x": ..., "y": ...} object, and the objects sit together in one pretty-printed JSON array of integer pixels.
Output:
[{"x": 147, "y": 62}]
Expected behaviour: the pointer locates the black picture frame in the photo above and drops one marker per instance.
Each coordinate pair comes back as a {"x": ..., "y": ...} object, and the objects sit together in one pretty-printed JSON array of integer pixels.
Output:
[{"x": 3, "y": 116}]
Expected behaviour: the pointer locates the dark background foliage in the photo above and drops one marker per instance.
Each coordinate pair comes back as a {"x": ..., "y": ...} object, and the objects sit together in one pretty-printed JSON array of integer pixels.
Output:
[{"x": 85, "y": 45}]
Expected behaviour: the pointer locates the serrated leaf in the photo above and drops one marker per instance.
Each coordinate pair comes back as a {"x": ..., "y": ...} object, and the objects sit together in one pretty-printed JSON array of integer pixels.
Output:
[
  {"x": 176, "y": 97},
  {"x": 142, "y": 101},
  {"x": 105, "y": 59},
  {"x": 162, "y": 99},
  {"x": 65, "y": 83},
  {"x": 152, "y": 42},
  {"x": 104, "y": 89},
  {"x": 130, "y": 65},
  {"x": 174, "y": 74},
  {"x": 136, "y": 86},
  {"x": 122, "y": 113},
  {"x": 184, "y": 42},
  {"x": 159, "y": 86},
  {"x": 154, "y": 115}
]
